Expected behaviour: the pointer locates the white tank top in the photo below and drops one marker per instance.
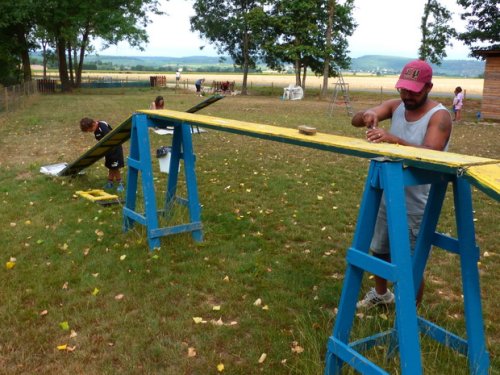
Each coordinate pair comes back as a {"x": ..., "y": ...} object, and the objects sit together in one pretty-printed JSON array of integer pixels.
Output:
[{"x": 414, "y": 132}]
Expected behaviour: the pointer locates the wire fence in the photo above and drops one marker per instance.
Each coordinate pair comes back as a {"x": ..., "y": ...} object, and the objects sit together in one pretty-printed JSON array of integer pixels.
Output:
[{"x": 13, "y": 97}]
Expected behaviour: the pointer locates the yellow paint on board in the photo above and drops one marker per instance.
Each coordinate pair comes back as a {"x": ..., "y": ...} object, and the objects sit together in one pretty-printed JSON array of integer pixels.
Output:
[
  {"x": 482, "y": 172},
  {"x": 347, "y": 143},
  {"x": 487, "y": 175}
]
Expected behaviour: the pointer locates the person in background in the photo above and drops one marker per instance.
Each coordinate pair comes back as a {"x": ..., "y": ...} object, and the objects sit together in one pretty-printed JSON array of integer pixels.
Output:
[
  {"x": 225, "y": 86},
  {"x": 198, "y": 84},
  {"x": 113, "y": 159},
  {"x": 458, "y": 103},
  {"x": 416, "y": 121},
  {"x": 159, "y": 103}
]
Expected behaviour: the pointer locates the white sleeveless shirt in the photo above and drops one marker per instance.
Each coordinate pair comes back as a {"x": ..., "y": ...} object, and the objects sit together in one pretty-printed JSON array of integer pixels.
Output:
[{"x": 414, "y": 133}]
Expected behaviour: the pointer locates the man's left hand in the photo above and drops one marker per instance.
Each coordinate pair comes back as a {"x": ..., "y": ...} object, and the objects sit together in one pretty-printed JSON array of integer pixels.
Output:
[{"x": 377, "y": 135}]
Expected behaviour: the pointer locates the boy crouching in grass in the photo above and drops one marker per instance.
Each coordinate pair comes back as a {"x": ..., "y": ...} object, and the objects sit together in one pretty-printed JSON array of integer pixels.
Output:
[{"x": 113, "y": 160}]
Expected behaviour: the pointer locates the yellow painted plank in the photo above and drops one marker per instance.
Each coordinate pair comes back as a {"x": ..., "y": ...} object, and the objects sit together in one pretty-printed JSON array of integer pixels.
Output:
[
  {"x": 116, "y": 137},
  {"x": 424, "y": 158},
  {"x": 486, "y": 178},
  {"x": 347, "y": 143}
]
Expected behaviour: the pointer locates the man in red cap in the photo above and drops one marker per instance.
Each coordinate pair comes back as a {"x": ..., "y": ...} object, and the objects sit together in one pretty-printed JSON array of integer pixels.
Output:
[{"x": 416, "y": 121}]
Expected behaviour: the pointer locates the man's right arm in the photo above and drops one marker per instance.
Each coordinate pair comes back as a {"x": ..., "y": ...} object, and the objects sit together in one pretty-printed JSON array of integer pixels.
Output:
[{"x": 370, "y": 118}]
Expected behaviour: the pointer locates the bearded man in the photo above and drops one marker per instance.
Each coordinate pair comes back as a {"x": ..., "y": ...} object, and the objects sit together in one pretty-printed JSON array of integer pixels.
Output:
[{"x": 416, "y": 121}]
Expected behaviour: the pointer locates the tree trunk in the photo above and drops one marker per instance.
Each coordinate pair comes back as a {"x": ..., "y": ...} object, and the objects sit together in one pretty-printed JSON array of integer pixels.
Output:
[
  {"x": 44, "y": 58},
  {"x": 63, "y": 67},
  {"x": 304, "y": 74},
  {"x": 75, "y": 60},
  {"x": 25, "y": 58},
  {"x": 328, "y": 45},
  {"x": 423, "y": 50},
  {"x": 83, "y": 46},
  {"x": 297, "y": 72},
  {"x": 24, "y": 54},
  {"x": 70, "y": 66},
  {"x": 244, "y": 89}
]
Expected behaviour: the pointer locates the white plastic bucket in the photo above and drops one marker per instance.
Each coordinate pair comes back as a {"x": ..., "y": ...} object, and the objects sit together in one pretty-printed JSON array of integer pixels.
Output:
[{"x": 164, "y": 161}]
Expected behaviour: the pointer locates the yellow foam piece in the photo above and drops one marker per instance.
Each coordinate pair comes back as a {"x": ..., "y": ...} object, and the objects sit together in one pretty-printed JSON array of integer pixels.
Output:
[
  {"x": 482, "y": 172},
  {"x": 96, "y": 195}
]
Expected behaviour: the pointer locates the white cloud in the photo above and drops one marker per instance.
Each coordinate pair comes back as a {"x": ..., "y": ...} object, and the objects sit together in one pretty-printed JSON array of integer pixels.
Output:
[
  {"x": 169, "y": 35},
  {"x": 385, "y": 27},
  {"x": 392, "y": 27}
]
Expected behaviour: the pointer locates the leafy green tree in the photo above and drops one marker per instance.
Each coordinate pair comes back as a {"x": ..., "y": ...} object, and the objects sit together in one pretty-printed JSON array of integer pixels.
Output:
[
  {"x": 16, "y": 22},
  {"x": 483, "y": 26},
  {"x": 309, "y": 34},
  {"x": 46, "y": 45},
  {"x": 73, "y": 25},
  {"x": 339, "y": 26},
  {"x": 436, "y": 32},
  {"x": 290, "y": 36},
  {"x": 70, "y": 27},
  {"x": 233, "y": 27},
  {"x": 9, "y": 63}
]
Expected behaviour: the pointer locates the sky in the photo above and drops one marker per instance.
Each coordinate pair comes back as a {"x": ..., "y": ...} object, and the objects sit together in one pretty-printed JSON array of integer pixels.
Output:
[{"x": 385, "y": 27}]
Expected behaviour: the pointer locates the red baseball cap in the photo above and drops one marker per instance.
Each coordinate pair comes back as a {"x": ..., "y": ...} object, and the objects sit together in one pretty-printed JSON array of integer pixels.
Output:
[{"x": 414, "y": 76}]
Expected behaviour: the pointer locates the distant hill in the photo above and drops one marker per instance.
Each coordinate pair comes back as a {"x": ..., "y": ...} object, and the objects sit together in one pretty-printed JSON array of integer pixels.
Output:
[
  {"x": 393, "y": 65},
  {"x": 156, "y": 61},
  {"x": 377, "y": 64}
]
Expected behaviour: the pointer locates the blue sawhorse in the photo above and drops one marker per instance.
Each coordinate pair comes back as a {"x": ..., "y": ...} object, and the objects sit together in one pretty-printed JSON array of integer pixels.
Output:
[
  {"x": 406, "y": 272},
  {"x": 139, "y": 160}
]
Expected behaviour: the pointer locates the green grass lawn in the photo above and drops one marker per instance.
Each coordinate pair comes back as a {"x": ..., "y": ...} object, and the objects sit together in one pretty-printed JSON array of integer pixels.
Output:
[{"x": 277, "y": 222}]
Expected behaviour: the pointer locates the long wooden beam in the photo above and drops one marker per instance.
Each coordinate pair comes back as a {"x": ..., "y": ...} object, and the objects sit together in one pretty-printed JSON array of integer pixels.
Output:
[
  {"x": 116, "y": 137},
  {"x": 484, "y": 173}
]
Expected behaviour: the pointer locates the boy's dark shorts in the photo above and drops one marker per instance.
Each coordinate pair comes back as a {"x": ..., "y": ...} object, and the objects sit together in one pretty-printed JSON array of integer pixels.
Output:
[{"x": 114, "y": 158}]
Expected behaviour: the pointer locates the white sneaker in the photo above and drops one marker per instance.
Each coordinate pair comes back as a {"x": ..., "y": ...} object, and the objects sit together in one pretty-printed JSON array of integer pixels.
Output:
[{"x": 372, "y": 299}]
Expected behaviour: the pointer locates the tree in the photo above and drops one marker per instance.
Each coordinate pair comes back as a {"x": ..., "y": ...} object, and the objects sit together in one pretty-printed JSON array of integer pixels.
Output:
[
  {"x": 482, "y": 27},
  {"x": 9, "y": 63},
  {"x": 290, "y": 36},
  {"x": 73, "y": 25},
  {"x": 233, "y": 27},
  {"x": 45, "y": 43},
  {"x": 70, "y": 27},
  {"x": 340, "y": 25},
  {"x": 316, "y": 41},
  {"x": 328, "y": 45},
  {"x": 436, "y": 32},
  {"x": 16, "y": 22}
]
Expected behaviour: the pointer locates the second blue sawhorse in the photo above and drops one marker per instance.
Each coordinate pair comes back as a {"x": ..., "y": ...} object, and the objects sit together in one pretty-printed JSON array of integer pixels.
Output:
[
  {"x": 406, "y": 272},
  {"x": 139, "y": 163}
]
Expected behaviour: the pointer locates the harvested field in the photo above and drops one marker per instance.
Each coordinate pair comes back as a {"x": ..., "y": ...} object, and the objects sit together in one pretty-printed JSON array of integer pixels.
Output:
[{"x": 442, "y": 85}]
